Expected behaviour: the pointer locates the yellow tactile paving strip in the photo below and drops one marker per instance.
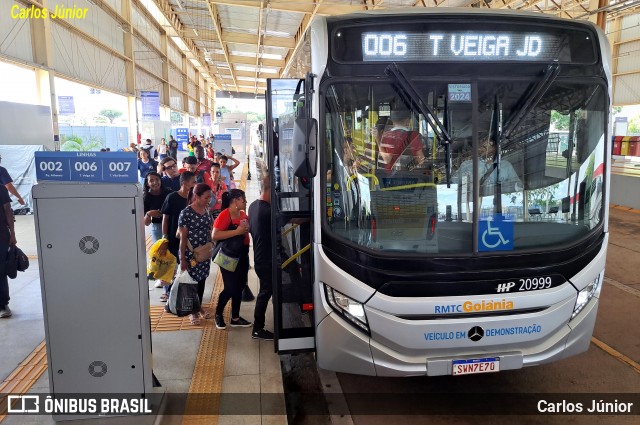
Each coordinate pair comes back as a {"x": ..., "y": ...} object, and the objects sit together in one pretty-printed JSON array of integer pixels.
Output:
[
  {"x": 162, "y": 321},
  {"x": 24, "y": 376},
  {"x": 209, "y": 369}
]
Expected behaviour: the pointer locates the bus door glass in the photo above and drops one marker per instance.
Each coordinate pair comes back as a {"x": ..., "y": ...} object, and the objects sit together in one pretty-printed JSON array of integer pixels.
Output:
[{"x": 291, "y": 218}]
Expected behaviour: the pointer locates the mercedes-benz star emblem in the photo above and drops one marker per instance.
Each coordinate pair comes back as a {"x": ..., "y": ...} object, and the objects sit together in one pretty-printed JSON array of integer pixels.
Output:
[{"x": 475, "y": 333}]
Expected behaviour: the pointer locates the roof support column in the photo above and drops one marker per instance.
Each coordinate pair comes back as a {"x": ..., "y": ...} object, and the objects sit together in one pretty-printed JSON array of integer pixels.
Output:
[
  {"x": 130, "y": 74},
  {"x": 45, "y": 77},
  {"x": 600, "y": 18}
]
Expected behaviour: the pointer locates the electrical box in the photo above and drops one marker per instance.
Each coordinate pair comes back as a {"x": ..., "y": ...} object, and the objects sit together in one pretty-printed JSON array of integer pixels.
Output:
[{"x": 91, "y": 253}]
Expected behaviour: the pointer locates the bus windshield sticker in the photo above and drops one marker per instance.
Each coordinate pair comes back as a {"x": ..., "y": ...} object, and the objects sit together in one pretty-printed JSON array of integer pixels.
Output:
[
  {"x": 459, "y": 92},
  {"x": 495, "y": 234}
]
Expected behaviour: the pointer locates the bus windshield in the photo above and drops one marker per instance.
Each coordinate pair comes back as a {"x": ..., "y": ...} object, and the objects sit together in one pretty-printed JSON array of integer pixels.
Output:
[{"x": 525, "y": 171}]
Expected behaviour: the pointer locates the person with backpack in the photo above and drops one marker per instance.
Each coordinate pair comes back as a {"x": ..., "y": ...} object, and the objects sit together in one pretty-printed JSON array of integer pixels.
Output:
[{"x": 151, "y": 150}]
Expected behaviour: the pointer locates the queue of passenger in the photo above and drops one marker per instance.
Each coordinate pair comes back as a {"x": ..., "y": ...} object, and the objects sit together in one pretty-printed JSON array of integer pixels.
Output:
[{"x": 191, "y": 207}]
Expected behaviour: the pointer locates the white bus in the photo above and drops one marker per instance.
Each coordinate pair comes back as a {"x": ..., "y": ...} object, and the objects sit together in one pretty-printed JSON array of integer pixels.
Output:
[{"x": 420, "y": 226}]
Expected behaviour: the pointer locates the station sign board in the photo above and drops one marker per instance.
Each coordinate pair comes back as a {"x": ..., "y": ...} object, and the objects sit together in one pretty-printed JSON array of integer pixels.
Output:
[{"x": 102, "y": 167}]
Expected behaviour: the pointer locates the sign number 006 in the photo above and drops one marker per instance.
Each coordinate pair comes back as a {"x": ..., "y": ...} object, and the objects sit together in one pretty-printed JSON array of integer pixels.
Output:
[{"x": 86, "y": 166}]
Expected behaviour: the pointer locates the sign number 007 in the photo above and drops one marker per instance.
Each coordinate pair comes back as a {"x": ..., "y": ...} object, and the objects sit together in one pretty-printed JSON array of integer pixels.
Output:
[{"x": 119, "y": 166}]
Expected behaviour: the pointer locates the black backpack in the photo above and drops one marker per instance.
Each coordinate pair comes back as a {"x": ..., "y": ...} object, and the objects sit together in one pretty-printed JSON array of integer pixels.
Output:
[{"x": 17, "y": 261}]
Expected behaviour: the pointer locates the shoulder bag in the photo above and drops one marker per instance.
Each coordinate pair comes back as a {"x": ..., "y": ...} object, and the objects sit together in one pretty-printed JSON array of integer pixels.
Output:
[
  {"x": 202, "y": 253},
  {"x": 228, "y": 251}
]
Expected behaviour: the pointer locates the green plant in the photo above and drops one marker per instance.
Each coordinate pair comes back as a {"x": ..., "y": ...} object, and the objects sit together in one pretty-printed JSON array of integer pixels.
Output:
[
  {"x": 634, "y": 126},
  {"x": 560, "y": 121},
  {"x": 75, "y": 143},
  {"x": 100, "y": 119}
]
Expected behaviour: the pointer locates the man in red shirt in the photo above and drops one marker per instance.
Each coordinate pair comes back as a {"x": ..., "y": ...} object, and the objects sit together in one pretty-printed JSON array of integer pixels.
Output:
[
  {"x": 400, "y": 147},
  {"x": 204, "y": 164}
]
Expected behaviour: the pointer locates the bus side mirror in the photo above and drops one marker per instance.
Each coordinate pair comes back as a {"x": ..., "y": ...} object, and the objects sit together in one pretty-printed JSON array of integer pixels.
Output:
[{"x": 305, "y": 141}]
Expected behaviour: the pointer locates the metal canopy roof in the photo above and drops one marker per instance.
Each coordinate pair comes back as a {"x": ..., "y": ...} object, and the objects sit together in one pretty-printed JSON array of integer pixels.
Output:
[{"x": 243, "y": 42}]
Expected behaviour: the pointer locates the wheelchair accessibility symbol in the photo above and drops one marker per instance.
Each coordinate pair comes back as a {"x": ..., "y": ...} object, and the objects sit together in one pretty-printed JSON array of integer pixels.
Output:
[{"x": 495, "y": 234}]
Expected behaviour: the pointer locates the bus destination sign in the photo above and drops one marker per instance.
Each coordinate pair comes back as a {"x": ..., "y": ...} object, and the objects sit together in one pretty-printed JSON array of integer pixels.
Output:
[{"x": 458, "y": 46}]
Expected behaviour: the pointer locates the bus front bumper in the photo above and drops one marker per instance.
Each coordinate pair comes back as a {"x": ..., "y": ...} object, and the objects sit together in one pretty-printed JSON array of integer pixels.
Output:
[{"x": 343, "y": 348}]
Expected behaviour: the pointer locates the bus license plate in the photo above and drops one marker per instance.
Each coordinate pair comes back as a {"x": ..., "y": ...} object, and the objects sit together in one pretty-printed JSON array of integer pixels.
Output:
[{"x": 469, "y": 366}]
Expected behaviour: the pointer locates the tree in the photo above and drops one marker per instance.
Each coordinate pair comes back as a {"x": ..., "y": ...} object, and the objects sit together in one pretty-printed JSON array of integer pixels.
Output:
[
  {"x": 255, "y": 117},
  {"x": 559, "y": 121},
  {"x": 112, "y": 114},
  {"x": 542, "y": 196},
  {"x": 634, "y": 126},
  {"x": 100, "y": 119}
]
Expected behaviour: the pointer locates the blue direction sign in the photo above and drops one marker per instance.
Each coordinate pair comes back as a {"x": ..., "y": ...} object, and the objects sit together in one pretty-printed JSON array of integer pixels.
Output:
[
  {"x": 224, "y": 136},
  {"x": 182, "y": 137},
  {"x": 495, "y": 234},
  {"x": 104, "y": 167}
]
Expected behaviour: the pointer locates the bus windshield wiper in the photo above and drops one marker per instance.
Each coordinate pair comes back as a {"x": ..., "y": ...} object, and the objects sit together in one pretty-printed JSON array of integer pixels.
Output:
[
  {"x": 412, "y": 97},
  {"x": 531, "y": 98}
]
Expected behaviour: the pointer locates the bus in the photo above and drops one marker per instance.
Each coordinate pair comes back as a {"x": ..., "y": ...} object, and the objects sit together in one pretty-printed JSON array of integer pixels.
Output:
[{"x": 426, "y": 221}]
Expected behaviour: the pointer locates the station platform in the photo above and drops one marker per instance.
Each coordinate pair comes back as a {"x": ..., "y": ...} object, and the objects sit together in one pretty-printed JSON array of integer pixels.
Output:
[{"x": 187, "y": 359}]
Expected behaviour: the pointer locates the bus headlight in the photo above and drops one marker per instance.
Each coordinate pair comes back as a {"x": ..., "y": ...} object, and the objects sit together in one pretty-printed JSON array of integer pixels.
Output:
[
  {"x": 584, "y": 296},
  {"x": 351, "y": 310}
]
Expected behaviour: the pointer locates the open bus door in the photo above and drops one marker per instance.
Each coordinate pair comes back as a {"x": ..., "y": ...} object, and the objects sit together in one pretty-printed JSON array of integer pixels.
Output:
[{"x": 291, "y": 149}]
